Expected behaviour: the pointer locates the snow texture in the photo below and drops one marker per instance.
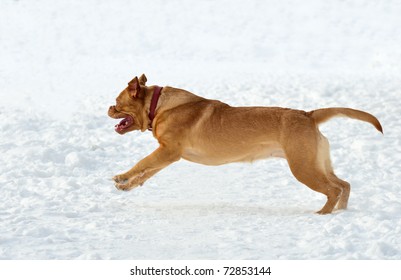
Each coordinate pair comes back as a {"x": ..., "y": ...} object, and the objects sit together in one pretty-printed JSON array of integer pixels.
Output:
[{"x": 62, "y": 63}]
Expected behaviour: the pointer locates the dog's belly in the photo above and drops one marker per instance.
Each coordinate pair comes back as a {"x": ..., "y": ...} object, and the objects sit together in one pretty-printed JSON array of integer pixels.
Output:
[{"x": 239, "y": 154}]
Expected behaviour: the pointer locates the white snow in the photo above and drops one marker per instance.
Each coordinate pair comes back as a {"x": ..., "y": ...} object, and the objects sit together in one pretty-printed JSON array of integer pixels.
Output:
[{"x": 62, "y": 63}]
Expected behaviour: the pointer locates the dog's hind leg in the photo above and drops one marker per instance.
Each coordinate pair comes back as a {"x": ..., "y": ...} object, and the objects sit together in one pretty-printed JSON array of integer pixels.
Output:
[
  {"x": 306, "y": 157},
  {"x": 318, "y": 181},
  {"x": 324, "y": 155},
  {"x": 346, "y": 189}
]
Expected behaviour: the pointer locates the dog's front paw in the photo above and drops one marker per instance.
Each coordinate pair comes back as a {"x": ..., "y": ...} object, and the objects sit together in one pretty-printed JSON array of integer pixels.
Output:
[
  {"x": 120, "y": 178},
  {"x": 123, "y": 187},
  {"x": 131, "y": 184}
]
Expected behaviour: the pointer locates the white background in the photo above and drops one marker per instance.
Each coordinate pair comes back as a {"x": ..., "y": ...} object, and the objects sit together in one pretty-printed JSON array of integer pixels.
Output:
[{"x": 62, "y": 63}]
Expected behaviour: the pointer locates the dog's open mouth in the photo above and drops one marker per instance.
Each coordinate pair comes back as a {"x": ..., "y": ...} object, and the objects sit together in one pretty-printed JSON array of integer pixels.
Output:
[{"x": 124, "y": 125}]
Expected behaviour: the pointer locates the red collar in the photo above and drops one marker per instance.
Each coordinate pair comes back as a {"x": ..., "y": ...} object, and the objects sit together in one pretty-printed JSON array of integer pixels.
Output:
[{"x": 153, "y": 104}]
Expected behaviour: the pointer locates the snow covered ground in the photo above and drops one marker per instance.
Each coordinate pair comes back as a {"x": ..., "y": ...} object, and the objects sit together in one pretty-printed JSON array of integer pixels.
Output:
[{"x": 62, "y": 63}]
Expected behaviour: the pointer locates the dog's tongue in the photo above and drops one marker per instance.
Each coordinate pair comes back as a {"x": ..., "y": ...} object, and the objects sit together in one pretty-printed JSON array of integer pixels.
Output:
[{"x": 123, "y": 124}]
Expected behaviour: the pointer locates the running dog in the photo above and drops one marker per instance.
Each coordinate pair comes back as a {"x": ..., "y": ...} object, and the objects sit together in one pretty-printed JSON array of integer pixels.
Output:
[{"x": 213, "y": 133}]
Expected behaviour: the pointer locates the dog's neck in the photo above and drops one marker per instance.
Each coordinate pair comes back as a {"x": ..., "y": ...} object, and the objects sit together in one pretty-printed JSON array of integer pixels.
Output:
[{"x": 153, "y": 104}]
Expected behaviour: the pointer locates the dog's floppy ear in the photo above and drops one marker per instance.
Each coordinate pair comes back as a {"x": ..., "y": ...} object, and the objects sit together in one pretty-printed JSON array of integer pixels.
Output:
[
  {"x": 142, "y": 80},
  {"x": 134, "y": 87}
]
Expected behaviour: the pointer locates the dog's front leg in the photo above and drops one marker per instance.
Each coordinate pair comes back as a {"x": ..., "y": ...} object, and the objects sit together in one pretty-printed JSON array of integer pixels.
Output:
[{"x": 146, "y": 168}]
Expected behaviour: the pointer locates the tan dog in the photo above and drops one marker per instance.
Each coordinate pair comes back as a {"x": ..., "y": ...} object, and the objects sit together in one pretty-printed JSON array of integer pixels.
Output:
[{"x": 213, "y": 133}]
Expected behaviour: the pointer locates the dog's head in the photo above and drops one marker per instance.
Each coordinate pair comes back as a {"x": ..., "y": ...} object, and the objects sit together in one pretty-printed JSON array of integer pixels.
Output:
[{"x": 130, "y": 107}]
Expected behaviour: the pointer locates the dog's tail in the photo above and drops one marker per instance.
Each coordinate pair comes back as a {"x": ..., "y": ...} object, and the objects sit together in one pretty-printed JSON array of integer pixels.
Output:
[{"x": 322, "y": 115}]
